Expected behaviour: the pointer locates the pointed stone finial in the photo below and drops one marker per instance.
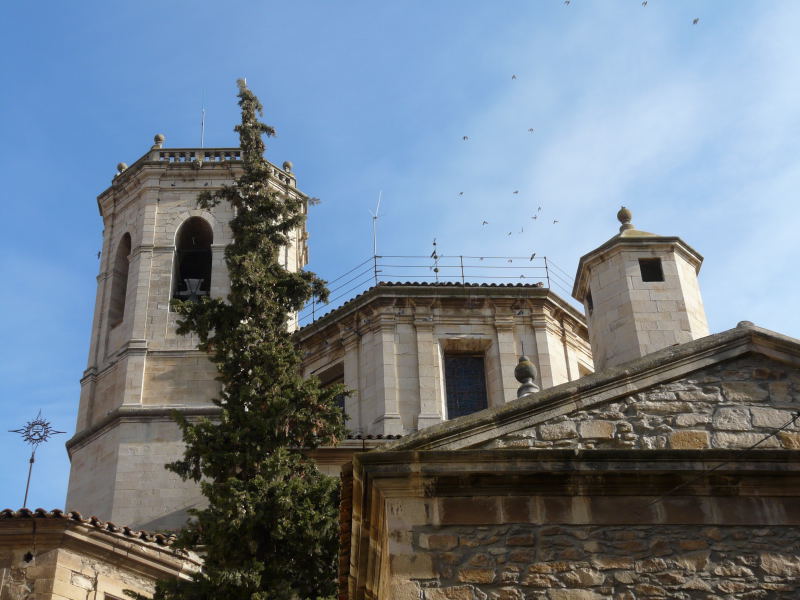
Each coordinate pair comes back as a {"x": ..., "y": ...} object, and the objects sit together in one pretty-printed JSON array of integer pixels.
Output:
[
  {"x": 158, "y": 140},
  {"x": 525, "y": 373},
  {"x": 624, "y": 216}
]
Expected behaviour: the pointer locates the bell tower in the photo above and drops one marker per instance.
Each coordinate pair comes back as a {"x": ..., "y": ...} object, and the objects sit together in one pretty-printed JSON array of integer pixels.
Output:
[{"x": 157, "y": 245}]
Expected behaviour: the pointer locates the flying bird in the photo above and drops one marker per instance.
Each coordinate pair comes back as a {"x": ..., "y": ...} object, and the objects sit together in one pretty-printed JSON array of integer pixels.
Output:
[
  {"x": 532, "y": 256},
  {"x": 555, "y": 221},
  {"x": 644, "y": 3},
  {"x": 513, "y": 77},
  {"x": 534, "y": 217},
  {"x": 485, "y": 223},
  {"x": 509, "y": 260},
  {"x": 530, "y": 129},
  {"x": 509, "y": 233},
  {"x": 516, "y": 191},
  {"x": 98, "y": 255},
  {"x": 566, "y": 2},
  {"x": 695, "y": 21},
  {"x": 460, "y": 193},
  {"x": 465, "y": 138},
  {"x": 539, "y": 209}
]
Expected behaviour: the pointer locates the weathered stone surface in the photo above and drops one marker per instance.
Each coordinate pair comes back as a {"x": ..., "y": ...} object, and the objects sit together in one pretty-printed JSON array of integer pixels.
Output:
[
  {"x": 732, "y": 419},
  {"x": 689, "y": 439},
  {"x": 724, "y": 439},
  {"x": 743, "y": 392},
  {"x": 785, "y": 565},
  {"x": 558, "y": 431},
  {"x": 790, "y": 441},
  {"x": 691, "y": 420},
  {"x": 771, "y": 417},
  {"x": 573, "y": 595},
  {"x": 597, "y": 430}
]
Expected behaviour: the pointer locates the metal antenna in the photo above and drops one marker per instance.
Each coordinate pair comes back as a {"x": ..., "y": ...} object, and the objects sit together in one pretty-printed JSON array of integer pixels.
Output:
[
  {"x": 375, "y": 224},
  {"x": 203, "y": 121},
  {"x": 34, "y": 433}
]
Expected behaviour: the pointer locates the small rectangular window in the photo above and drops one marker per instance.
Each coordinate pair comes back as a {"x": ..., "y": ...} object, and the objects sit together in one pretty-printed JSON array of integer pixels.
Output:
[
  {"x": 651, "y": 269},
  {"x": 465, "y": 383}
]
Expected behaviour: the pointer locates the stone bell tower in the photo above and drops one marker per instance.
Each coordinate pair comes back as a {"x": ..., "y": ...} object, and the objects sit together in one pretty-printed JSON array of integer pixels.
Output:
[
  {"x": 157, "y": 245},
  {"x": 640, "y": 293}
]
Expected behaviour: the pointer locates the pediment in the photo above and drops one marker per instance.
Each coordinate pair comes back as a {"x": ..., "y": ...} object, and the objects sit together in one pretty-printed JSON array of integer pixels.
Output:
[{"x": 736, "y": 389}]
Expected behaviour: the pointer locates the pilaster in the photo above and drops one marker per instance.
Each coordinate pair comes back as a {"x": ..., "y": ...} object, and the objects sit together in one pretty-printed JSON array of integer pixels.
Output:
[{"x": 428, "y": 368}]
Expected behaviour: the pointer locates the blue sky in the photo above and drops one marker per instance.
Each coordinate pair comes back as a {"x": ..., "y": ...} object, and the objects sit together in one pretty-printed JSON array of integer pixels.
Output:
[{"x": 694, "y": 127}]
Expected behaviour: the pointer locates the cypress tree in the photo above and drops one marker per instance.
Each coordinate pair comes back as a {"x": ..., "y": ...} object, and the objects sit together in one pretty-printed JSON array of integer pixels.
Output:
[{"x": 270, "y": 530}]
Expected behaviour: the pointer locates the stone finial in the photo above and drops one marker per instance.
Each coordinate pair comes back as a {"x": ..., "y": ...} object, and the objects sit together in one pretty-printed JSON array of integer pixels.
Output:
[
  {"x": 121, "y": 167},
  {"x": 624, "y": 216},
  {"x": 287, "y": 166},
  {"x": 158, "y": 140},
  {"x": 525, "y": 373}
]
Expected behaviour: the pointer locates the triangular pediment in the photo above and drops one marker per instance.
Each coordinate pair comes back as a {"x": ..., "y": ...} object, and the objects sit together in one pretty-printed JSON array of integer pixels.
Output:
[{"x": 735, "y": 389}]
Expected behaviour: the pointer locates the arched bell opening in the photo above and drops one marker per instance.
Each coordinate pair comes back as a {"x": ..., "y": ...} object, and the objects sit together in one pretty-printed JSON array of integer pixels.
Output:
[
  {"x": 192, "y": 266},
  {"x": 119, "y": 282}
]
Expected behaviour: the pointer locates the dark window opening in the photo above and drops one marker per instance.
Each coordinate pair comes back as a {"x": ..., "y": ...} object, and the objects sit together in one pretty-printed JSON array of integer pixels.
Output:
[
  {"x": 331, "y": 376},
  {"x": 589, "y": 303},
  {"x": 651, "y": 269},
  {"x": 193, "y": 260},
  {"x": 119, "y": 282},
  {"x": 465, "y": 383}
]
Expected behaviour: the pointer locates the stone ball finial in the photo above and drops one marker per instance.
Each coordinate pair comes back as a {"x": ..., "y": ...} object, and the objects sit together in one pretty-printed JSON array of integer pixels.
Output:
[
  {"x": 121, "y": 167},
  {"x": 287, "y": 166},
  {"x": 745, "y": 324},
  {"x": 526, "y": 374},
  {"x": 158, "y": 140},
  {"x": 624, "y": 216}
]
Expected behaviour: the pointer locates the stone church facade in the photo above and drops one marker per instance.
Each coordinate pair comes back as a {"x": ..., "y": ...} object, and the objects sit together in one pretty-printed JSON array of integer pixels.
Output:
[{"x": 641, "y": 458}]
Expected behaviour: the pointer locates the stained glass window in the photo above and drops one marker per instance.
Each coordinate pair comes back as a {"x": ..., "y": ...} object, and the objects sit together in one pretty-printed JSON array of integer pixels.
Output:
[{"x": 465, "y": 382}]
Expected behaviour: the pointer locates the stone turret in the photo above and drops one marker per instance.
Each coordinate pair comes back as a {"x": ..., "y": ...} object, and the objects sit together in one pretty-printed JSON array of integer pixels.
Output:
[{"x": 640, "y": 293}]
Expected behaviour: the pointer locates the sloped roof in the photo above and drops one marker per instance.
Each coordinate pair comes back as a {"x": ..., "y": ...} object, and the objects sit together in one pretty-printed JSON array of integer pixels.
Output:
[{"x": 622, "y": 380}]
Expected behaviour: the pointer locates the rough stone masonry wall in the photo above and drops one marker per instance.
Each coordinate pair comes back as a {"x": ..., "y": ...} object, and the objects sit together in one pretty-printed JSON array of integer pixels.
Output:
[
  {"x": 732, "y": 405},
  {"x": 526, "y": 562}
]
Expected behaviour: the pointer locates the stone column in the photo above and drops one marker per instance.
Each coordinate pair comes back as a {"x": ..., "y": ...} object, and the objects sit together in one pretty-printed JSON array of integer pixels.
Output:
[
  {"x": 352, "y": 404},
  {"x": 430, "y": 384},
  {"x": 389, "y": 422},
  {"x": 506, "y": 347}
]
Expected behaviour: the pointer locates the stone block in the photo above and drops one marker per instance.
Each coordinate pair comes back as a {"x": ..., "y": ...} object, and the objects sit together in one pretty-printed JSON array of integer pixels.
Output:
[
  {"x": 558, "y": 431},
  {"x": 742, "y": 392},
  {"x": 572, "y": 595},
  {"x": 744, "y": 440},
  {"x": 771, "y": 417},
  {"x": 454, "y": 592},
  {"x": 781, "y": 565},
  {"x": 732, "y": 419},
  {"x": 689, "y": 439},
  {"x": 691, "y": 420},
  {"x": 790, "y": 441},
  {"x": 476, "y": 575},
  {"x": 597, "y": 429}
]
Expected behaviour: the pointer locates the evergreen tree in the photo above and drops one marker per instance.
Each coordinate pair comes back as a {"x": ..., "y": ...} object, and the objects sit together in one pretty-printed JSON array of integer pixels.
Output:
[{"x": 271, "y": 527}]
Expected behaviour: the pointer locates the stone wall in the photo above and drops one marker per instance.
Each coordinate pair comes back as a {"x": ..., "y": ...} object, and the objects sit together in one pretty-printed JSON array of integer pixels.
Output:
[
  {"x": 526, "y": 562},
  {"x": 731, "y": 405}
]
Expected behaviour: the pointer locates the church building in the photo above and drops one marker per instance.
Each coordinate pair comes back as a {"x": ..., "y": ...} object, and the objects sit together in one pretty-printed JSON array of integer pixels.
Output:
[{"x": 503, "y": 445}]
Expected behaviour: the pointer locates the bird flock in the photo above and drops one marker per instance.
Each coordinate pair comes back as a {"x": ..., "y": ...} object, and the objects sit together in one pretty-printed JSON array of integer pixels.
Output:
[{"x": 535, "y": 217}]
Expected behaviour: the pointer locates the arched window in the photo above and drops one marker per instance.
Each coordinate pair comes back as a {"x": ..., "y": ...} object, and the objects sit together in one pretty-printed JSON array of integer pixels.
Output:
[
  {"x": 119, "y": 282},
  {"x": 192, "y": 274}
]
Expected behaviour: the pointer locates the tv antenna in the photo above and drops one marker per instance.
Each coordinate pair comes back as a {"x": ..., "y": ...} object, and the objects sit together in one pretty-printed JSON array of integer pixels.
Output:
[
  {"x": 203, "y": 120},
  {"x": 35, "y": 432},
  {"x": 375, "y": 225}
]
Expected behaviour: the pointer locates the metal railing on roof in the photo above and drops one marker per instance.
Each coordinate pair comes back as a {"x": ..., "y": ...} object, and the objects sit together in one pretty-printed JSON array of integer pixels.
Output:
[{"x": 438, "y": 269}]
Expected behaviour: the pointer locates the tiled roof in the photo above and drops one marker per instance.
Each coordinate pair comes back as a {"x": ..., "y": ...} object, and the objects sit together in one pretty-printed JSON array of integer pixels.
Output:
[
  {"x": 75, "y": 516},
  {"x": 380, "y": 436}
]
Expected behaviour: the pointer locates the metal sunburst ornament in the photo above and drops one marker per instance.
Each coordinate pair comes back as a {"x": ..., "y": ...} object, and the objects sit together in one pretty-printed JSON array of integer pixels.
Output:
[{"x": 35, "y": 432}]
